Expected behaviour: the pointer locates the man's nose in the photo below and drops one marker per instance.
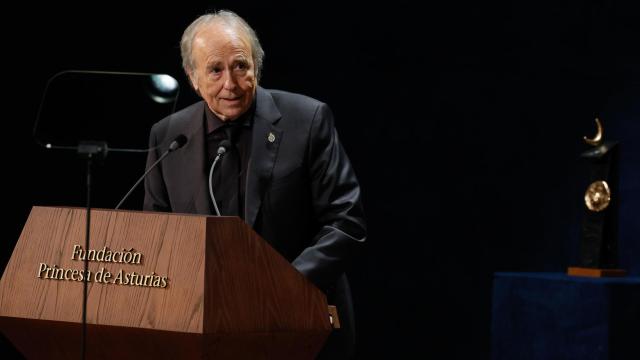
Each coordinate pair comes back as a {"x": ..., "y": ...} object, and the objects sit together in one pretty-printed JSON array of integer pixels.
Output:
[{"x": 230, "y": 82}]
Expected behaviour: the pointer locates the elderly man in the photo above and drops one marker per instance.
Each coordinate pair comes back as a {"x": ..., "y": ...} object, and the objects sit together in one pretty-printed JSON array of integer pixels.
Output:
[{"x": 284, "y": 173}]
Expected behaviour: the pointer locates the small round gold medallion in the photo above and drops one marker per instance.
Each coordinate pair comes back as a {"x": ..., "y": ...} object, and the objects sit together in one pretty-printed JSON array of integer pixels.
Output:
[{"x": 598, "y": 196}]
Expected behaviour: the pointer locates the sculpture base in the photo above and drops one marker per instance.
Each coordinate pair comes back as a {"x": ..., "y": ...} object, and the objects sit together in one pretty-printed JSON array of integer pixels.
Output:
[{"x": 595, "y": 272}]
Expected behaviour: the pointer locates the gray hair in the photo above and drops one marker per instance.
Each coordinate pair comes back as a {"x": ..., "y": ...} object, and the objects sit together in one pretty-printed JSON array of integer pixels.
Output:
[{"x": 230, "y": 19}]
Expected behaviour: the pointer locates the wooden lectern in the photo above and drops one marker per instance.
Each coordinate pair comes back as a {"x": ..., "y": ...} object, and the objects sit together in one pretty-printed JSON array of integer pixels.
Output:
[{"x": 160, "y": 286}]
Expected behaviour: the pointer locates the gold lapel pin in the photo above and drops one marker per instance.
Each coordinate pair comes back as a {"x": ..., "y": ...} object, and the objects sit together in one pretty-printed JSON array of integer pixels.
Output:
[{"x": 271, "y": 137}]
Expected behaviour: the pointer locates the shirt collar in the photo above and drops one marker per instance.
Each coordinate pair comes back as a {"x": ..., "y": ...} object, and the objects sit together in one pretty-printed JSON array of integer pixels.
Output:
[{"x": 214, "y": 123}]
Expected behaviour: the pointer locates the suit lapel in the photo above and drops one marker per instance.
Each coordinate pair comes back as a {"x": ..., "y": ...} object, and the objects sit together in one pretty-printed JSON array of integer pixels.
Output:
[
  {"x": 200, "y": 162},
  {"x": 191, "y": 166},
  {"x": 265, "y": 141}
]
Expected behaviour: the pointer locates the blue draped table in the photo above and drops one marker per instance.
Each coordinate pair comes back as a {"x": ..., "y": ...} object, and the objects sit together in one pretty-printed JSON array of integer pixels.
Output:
[{"x": 555, "y": 316}]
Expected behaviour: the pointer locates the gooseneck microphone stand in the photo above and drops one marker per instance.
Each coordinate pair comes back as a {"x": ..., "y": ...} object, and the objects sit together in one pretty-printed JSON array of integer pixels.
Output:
[
  {"x": 94, "y": 150},
  {"x": 88, "y": 150}
]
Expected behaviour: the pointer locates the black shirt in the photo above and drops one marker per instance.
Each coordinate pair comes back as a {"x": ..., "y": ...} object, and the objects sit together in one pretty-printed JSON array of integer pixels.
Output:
[{"x": 229, "y": 180}]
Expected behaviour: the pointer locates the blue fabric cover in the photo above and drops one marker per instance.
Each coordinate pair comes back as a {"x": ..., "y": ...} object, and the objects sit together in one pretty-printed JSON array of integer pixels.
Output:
[{"x": 556, "y": 316}]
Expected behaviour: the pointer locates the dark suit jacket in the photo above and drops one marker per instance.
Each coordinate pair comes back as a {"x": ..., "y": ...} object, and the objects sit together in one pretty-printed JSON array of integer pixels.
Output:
[{"x": 302, "y": 195}]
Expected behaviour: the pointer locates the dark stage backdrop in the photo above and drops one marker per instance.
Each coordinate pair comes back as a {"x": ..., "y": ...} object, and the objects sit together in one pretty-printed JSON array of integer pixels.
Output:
[{"x": 463, "y": 121}]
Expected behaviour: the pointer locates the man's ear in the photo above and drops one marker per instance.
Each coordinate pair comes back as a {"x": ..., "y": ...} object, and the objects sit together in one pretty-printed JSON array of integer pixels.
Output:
[{"x": 193, "y": 80}]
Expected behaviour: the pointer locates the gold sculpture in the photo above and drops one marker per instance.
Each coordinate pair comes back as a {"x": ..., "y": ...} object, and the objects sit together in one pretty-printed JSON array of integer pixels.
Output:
[
  {"x": 597, "y": 140},
  {"x": 598, "y": 196}
]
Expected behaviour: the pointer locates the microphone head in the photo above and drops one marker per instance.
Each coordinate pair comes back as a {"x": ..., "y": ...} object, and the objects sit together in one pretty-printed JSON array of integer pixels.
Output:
[
  {"x": 178, "y": 142},
  {"x": 224, "y": 145}
]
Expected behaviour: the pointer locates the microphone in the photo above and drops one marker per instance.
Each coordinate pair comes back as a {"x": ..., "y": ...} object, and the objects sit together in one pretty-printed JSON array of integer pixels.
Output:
[
  {"x": 222, "y": 149},
  {"x": 176, "y": 144}
]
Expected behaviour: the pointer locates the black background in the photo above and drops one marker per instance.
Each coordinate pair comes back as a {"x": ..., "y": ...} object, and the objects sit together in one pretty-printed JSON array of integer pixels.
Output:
[{"x": 464, "y": 121}]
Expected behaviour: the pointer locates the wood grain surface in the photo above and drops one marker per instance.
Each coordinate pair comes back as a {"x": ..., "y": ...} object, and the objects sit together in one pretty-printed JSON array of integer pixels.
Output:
[{"x": 229, "y": 294}]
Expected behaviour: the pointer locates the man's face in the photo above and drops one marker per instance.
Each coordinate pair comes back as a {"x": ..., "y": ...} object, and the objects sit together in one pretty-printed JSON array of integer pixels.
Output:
[{"x": 224, "y": 72}]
